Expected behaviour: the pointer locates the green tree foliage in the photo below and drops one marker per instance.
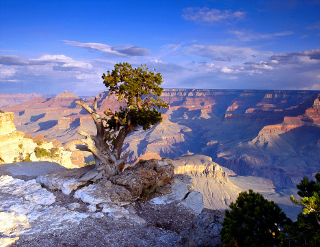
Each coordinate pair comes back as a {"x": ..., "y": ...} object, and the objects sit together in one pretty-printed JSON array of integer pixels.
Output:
[
  {"x": 253, "y": 221},
  {"x": 140, "y": 89},
  {"x": 306, "y": 231}
]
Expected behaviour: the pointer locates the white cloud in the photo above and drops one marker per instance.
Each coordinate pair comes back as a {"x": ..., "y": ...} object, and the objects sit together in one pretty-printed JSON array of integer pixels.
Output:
[
  {"x": 250, "y": 36},
  {"x": 316, "y": 25},
  {"x": 7, "y": 72},
  {"x": 207, "y": 15},
  {"x": 52, "y": 58},
  {"x": 226, "y": 70},
  {"x": 219, "y": 53},
  {"x": 113, "y": 51}
]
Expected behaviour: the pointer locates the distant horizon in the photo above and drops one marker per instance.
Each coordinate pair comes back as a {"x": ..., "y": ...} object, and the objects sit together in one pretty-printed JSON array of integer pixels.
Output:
[{"x": 200, "y": 89}]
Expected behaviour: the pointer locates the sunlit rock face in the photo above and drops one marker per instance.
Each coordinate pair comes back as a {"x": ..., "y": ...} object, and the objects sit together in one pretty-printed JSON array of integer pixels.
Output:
[
  {"x": 14, "y": 147},
  {"x": 208, "y": 178}
]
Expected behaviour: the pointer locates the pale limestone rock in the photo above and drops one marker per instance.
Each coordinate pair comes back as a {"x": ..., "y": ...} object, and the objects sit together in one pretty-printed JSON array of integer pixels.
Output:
[
  {"x": 24, "y": 207},
  {"x": 88, "y": 194},
  {"x": 112, "y": 208},
  {"x": 66, "y": 181},
  {"x": 30, "y": 190},
  {"x": 41, "y": 197},
  {"x": 97, "y": 215},
  {"x": 12, "y": 222},
  {"x": 11, "y": 226},
  {"x": 73, "y": 206},
  {"x": 182, "y": 191},
  {"x": 91, "y": 208},
  {"x": 24, "y": 210},
  {"x": 194, "y": 200}
]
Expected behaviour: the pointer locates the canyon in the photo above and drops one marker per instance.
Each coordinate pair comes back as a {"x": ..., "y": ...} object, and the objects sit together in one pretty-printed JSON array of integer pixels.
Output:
[{"x": 266, "y": 135}]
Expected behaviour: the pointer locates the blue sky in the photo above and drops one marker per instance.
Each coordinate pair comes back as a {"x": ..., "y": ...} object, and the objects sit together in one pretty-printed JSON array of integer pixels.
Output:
[{"x": 52, "y": 46}]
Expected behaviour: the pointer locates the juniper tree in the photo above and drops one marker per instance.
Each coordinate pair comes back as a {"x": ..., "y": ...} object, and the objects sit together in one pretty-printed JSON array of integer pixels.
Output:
[
  {"x": 253, "y": 221},
  {"x": 140, "y": 89}
]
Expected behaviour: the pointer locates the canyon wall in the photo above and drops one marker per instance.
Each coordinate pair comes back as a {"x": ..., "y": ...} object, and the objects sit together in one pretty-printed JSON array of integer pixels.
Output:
[
  {"x": 7, "y": 99},
  {"x": 271, "y": 134}
]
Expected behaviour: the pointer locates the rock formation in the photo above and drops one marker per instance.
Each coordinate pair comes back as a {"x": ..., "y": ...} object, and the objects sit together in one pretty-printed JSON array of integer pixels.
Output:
[
  {"x": 14, "y": 147},
  {"x": 208, "y": 178}
]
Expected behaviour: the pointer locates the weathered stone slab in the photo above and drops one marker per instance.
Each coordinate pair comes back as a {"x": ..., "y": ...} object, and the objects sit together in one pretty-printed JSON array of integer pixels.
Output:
[
  {"x": 104, "y": 192},
  {"x": 66, "y": 181}
]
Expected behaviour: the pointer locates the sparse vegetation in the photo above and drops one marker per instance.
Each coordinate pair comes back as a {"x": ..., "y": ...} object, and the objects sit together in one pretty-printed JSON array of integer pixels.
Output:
[
  {"x": 15, "y": 159},
  {"x": 27, "y": 158},
  {"x": 42, "y": 152},
  {"x": 20, "y": 145},
  {"x": 92, "y": 162},
  {"x": 53, "y": 152},
  {"x": 39, "y": 143}
]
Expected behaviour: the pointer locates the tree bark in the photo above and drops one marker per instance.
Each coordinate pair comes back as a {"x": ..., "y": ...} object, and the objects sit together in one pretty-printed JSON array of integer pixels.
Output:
[{"x": 111, "y": 162}]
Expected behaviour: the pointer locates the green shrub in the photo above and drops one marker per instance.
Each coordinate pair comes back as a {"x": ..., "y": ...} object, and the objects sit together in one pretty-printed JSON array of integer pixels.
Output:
[
  {"x": 20, "y": 145},
  {"x": 39, "y": 143},
  {"x": 253, "y": 221},
  {"x": 41, "y": 152},
  {"x": 27, "y": 158},
  {"x": 53, "y": 152},
  {"x": 90, "y": 163}
]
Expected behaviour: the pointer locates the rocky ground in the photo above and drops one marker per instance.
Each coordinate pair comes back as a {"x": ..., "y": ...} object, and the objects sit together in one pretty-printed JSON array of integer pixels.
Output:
[{"x": 32, "y": 215}]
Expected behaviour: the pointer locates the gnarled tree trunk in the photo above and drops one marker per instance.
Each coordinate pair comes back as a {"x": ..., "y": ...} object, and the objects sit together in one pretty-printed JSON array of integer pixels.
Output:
[{"x": 111, "y": 162}]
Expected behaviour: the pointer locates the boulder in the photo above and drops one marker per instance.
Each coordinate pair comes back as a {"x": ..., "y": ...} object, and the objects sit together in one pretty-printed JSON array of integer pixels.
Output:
[
  {"x": 103, "y": 192},
  {"x": 146, "y": 175}
]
